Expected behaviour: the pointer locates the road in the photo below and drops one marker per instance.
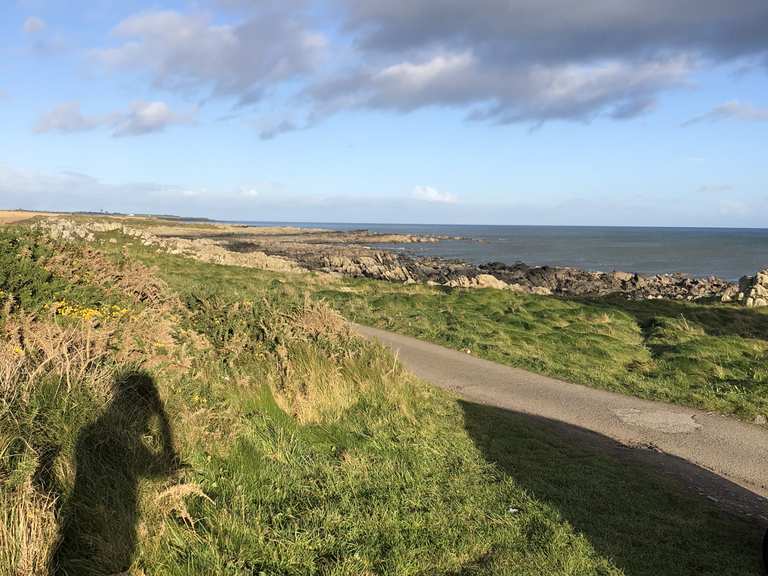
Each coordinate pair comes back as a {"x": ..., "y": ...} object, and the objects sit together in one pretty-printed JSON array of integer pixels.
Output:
[{"x": 722, "y": 458}]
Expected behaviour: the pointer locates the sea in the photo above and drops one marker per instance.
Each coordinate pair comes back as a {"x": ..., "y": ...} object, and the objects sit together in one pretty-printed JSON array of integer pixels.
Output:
[{"x": 726, "y": 252}]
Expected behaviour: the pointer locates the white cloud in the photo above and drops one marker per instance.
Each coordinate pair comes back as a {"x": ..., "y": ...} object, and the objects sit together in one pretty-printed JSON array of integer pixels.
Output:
[
  {"x": 148, "y": 117},
  {"x": 417, "y": 76},
  {"x": 732, "y": 110},
  {"x": 141, "y": 118},
  {"x": 33, "y": 25},
  {"x": 430, "y": 194}
]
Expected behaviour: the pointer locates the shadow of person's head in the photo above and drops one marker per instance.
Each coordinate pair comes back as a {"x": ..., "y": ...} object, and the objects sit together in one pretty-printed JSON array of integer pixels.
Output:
[{"x": 135, "y": 397}]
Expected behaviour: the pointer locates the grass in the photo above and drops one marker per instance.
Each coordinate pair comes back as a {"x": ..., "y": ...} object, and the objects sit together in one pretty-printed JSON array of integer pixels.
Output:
[
  {"x": 709, "y": 356},
  {"x": 626, "y": 514},
  {"x": 229, "y": 423}
]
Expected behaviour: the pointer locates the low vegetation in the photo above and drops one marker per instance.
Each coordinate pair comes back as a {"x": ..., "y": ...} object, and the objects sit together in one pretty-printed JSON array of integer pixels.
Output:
[
  {"x": 709, "y": 356},
  {"x": 165, "y": 416}
]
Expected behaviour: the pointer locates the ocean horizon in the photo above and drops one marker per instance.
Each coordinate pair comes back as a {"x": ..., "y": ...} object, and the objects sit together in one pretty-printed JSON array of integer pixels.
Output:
[{"x": 726, "y": 252}]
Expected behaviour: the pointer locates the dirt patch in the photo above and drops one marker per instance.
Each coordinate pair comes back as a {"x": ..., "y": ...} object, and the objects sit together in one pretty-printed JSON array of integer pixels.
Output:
[{"x": 16, "y": 216}]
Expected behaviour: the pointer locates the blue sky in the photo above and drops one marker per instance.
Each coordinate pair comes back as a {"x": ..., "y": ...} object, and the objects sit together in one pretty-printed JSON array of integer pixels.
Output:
[{"x": 495, "y": 111}]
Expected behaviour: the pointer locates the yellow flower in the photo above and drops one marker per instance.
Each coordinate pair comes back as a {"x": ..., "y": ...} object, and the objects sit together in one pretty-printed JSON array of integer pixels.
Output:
[{"x": 66, "y": 310}]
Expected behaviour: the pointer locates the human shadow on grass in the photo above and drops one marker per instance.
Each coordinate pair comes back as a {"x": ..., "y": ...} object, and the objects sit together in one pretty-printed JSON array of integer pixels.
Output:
[
  {"x": 648, "y": 512},
  {"x": 131, "y": 440}
]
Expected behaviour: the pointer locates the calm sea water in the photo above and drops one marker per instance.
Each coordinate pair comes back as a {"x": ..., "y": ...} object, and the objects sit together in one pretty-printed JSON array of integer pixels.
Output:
[{"x": 726, "y": 252}]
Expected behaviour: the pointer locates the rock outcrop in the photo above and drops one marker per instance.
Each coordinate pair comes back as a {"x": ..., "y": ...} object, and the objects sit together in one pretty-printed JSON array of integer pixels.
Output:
[
  {"x": 754, "y": 289},
  {"x": 576, "y": 282},
  {"x": 203, "y": 249}
]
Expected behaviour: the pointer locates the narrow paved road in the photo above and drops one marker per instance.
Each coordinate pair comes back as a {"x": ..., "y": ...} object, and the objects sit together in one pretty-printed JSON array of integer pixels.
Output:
[{"x": 732, "y": 450}]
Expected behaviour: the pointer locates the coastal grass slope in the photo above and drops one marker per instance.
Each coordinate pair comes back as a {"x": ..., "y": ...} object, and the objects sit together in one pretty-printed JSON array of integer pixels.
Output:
[
  {"x": 708, "y": 356},
  {"x": 160, "y": 415}
]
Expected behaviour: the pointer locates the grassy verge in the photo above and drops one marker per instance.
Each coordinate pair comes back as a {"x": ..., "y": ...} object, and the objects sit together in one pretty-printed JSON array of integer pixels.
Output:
[
  {"x": 229, "y": 423},
  {"x": 709, "y": 356}
]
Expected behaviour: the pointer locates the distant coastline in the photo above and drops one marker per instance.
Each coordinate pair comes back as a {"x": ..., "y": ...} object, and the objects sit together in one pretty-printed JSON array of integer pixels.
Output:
[{"x": 729, "y": 253}]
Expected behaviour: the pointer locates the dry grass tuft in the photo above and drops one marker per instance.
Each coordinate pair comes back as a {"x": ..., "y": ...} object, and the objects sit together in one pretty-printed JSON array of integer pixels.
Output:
[
  {"x": 313, "y": 390},
  {"x": 171, "y": 501},
  {"x": 33, "y": 349},
  {"x": 41, "y": 361},
  {"x": 27, "y": 529},
  {"x": 86, "y": 265},
  {"x": 317, "y": 319}
]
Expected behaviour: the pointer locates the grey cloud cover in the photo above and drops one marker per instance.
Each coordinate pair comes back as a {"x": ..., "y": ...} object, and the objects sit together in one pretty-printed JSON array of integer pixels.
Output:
[
  {"x": 537, "y": 60},
  {"x": 562, "y": 30},
  {"x": 501, "y": 61},
  {"x": 511, "y": 94}
]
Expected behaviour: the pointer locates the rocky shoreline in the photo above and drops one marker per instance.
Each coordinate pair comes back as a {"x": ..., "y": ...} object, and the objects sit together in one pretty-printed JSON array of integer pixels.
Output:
[{"x": 353, "y": 254}]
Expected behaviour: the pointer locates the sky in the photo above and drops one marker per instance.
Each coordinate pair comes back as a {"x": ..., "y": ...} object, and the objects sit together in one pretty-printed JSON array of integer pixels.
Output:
[{"x": 600, "y": 112}]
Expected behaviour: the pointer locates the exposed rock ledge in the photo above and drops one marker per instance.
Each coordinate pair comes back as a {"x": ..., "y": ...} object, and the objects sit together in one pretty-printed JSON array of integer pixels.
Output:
[
  {"x": 752, "y": 290},
  {"x": 334, "y": 252},
  {"x": 203, "y": 249}
]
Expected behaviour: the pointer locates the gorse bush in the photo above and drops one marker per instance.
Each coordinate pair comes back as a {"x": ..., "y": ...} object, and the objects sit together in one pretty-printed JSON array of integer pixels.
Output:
[
  {"x": 59, "y": 360},
  {"x": 26, "y": 283},
  {"x": 23, "y": 280},
  {"x": 231, "y": 326},
  {"x": 236, "y": 326}
]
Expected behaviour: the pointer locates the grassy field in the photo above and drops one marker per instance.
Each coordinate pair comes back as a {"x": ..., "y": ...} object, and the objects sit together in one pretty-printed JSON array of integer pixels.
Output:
[
  {"x": 709, "y": 356},
  {"x": 166, "y": 416}
]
